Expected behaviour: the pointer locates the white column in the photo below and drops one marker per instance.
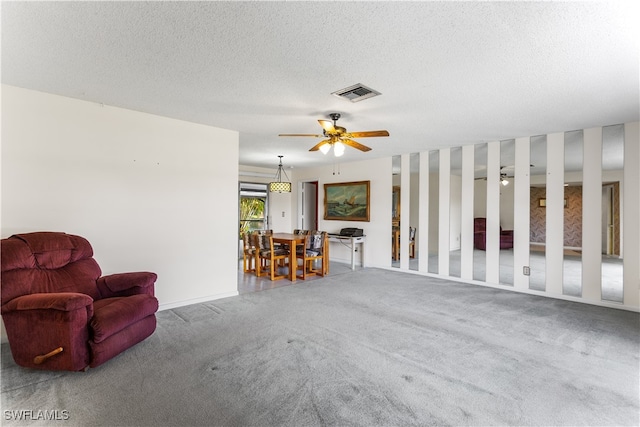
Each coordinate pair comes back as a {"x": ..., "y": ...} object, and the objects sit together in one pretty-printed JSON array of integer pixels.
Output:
[
  {"x": 521, "y": 214},
  {"x": 493, "y": 213},
  {"x": 405, "y": 209},
  {"x": 630, "y": 215},
  {"x": 466, "y": 220},
  {"x": 423, "y": 214},
  {"x": 443, "y": 211},
  {"x": 555, "y": 213},
  {"x": 592, "y": 215}
]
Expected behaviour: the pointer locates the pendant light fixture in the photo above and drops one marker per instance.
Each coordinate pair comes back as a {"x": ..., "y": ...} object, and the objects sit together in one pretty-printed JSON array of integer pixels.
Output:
[{"x": 280, "y": 186}]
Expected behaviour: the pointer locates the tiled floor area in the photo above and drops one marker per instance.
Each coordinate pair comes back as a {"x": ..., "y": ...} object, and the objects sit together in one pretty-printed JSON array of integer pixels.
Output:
[{"x": 248, "y": 282}]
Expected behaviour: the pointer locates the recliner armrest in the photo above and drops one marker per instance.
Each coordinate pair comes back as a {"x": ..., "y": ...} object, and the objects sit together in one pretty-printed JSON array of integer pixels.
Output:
[
  {"x": 38, "y": 324},
  {"x": 125, "y": 284},
  {"x": 61, "y": 301}
]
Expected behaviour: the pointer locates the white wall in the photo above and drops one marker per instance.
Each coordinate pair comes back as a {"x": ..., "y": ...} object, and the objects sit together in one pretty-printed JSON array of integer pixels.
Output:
[
  {"x": 378, "y": 229},
  {"x": 480, "y": 198},
  {"x": 455, "y": 212},
  {"x": 506, "y": 204},
  {"x": 144, "y": 190},
  {"x": 434, "y": 214},
  {"x": 280, "y": 214}
]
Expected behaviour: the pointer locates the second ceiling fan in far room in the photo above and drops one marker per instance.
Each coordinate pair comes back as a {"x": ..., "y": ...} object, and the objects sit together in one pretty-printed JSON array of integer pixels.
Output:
[{"x": 338, "y": 137}]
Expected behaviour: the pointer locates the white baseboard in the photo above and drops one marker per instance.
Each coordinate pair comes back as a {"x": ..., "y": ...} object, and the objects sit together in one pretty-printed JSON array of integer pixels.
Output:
[{"x": 171, "y": 305}]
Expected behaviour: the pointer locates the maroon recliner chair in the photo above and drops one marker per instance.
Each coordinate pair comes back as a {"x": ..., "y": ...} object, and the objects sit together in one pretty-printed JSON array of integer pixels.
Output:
[
  {"x": 480, "y": 235},
  {"x": 59, "y": 313}
]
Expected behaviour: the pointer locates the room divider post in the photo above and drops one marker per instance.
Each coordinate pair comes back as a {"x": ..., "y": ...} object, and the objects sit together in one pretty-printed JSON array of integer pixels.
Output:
[
  {"x": 522, "y": 213},
  {"x": 554, "y": 249}
]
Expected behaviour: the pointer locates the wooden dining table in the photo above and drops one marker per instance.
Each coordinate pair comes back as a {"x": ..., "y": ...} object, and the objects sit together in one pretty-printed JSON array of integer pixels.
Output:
[{"x": 292, "y": 240}]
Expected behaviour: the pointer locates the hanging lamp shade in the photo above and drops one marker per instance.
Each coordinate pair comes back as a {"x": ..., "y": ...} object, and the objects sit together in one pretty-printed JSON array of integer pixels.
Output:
[{"x": 280, "y": 186}]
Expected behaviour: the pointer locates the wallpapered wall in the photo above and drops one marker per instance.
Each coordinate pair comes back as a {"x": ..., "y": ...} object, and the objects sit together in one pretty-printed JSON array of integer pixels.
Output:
[
  {"x": 572, "y": 216},
  {"x": 616, "y": 218}
]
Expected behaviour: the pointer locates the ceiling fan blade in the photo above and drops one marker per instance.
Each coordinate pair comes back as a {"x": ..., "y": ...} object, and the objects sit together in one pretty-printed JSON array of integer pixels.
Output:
[
  {"x": 301, "y": 134},
  {"x": 355, "y": 144},
  {"x": 368, "y": 134},
  {"x": 327, "y": 126},
  {"x": 319, "y": 144}
]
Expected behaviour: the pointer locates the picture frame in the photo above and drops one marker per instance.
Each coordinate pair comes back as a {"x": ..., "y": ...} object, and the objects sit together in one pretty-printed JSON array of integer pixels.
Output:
[
  {"x": 543, "y": 203},
  {"x": 347, "y": 201}
]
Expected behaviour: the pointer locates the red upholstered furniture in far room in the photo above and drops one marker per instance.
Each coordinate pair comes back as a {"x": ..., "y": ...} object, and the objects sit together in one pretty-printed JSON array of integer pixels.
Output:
[
  {"x": 480, "y": 235},
  {"x": 60, "y": 313}
]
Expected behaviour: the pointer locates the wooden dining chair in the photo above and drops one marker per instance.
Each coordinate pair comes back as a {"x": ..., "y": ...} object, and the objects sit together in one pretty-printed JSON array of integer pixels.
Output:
[
  {"x": 269, "y": 256},
  {"x": 248, "y": 252},
  {"x": 255, "y": 234},
  {"x": 395, "y": 245},
  {"x": 315, "y": 248}
]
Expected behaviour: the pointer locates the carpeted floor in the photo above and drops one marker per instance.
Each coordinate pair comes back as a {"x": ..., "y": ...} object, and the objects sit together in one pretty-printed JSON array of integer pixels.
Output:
[{"x": 366, "y": 348}]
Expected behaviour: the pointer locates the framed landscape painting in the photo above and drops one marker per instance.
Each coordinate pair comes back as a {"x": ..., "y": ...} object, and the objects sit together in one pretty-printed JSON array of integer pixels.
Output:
[{"x": 347, "y": 201}]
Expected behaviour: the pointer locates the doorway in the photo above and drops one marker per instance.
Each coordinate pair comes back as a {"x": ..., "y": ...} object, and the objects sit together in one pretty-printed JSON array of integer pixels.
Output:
[
  {"x": 252, "y": 209},
  {"x": 308, "y": 205},
  {"x": 610, "y": 219}
]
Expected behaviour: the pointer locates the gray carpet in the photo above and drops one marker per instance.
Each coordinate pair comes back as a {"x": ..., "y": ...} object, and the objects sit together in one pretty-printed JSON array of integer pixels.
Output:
[{"x": 366, "y": 348}]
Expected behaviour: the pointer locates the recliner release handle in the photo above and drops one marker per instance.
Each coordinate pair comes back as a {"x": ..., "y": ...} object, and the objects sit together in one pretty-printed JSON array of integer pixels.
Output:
[{"x": 39, "y": 359}]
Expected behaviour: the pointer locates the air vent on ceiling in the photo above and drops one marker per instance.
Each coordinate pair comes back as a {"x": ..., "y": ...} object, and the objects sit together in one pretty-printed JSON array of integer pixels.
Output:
[{"x": 356, "y": 93}]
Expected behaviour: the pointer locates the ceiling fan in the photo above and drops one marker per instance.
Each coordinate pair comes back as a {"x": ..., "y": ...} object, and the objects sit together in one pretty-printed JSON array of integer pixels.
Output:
[
  {"x": 506, "y": 172},
  {"x": 338, "y": 137}
]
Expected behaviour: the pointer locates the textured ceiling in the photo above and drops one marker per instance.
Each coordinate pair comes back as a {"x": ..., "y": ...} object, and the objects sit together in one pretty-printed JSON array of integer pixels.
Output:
[{"x": 450, "y": 73}]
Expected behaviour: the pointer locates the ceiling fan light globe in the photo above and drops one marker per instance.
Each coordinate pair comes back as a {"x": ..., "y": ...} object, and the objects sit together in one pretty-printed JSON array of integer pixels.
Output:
[
  {"x": 324, "y": 148},
  {"x": 338, "y": 149}
]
